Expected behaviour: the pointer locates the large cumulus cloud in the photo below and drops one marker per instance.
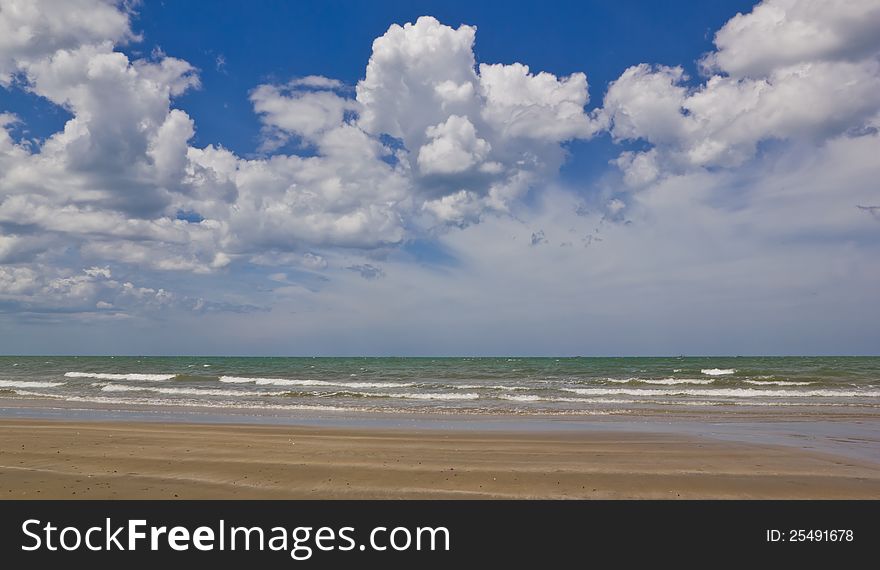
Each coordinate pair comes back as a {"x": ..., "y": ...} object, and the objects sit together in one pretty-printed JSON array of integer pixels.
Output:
[
  {"x": 426, "y": 141},
  {"x": 790, "y": 70}
]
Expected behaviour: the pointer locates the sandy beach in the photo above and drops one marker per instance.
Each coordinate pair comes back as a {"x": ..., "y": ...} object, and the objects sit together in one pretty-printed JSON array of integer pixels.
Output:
[{"x": 99, "y": 460}]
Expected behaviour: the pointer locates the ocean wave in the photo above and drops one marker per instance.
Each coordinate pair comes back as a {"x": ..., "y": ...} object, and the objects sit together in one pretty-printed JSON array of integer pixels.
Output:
[
  {"x": 726, "y": 393},
  {"x": 488, "y": 387},
  {"x": 198, "y": 404},
  {"x": 433, "y": 396},
  {"x": 26, "y": 384},
  {"x": 718, "y": 371},
  {"x": 673, "y": 381},
  {"x": 777, "y": 383},
  {"x": 252, "y": 394},
  {"x": 108, "y": 376},
  {"x": 289, "y": 382},
  {"x": 563, "y": 399},
  {"x": 522, "y": 398},
  {"x": 662, "y": 382},
  {"x": 629, "y": 405},
  {"x": 384, "y": 395},
  {"x": 186, "y": 391}
]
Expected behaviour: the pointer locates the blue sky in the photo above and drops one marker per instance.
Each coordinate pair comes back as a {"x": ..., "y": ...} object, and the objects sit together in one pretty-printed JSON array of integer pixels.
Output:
[
  {"x": 263, "y": 178},
  {"x": 265, "y": 41}
]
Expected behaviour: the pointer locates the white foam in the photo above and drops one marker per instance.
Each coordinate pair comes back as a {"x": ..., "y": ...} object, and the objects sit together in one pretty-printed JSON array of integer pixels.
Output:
[
  {"x": 435, "y": 396},
  {"x": 725, "y": 393},
  {"x": 777, "y": 382},
  {"x": 673, "y": 381},
  {"x": 595, "y": 401},
  {"x": 562, "y": 399},
  {"x": 489, "y": 387},
  {"x": 522, "y": 398},
  {"x": 662, "y": 382},
  {"x": 718, "y": 371},
  {"x": 25, "y": 384},
  {"x": 185, "y": 391},
  {"x": 196, "y": 404},
  {"x": 40, "y": 395},
  {"x": 289, "y": 382},
  {"x": 134, "y": 377},
  {"x": 263, "y": 406}
]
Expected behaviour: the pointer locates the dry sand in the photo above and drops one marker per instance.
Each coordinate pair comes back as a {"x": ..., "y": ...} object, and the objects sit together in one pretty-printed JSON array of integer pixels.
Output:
[{"x": 99, "y": 460}]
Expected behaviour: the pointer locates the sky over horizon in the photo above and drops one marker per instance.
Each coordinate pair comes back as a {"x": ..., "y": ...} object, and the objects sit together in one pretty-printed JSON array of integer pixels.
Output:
[{"x": 456, "y": 178}]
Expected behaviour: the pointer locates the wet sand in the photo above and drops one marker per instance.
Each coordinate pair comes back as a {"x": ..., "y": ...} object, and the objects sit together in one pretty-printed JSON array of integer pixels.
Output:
[{"x": 130, "y": 460}]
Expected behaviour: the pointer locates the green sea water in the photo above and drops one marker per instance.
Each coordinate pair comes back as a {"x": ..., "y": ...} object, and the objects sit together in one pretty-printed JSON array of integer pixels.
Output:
[{"x": 587, "y": 386}]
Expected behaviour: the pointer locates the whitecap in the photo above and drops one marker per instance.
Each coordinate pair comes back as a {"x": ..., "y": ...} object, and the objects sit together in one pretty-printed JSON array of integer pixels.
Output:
[
  {"x": 489, "y": 387},
  {"x": 521, "y": 397},
  {"x": 186, "y": 391},
  {"x": 292, "y": 382},
  {"x": 672, "y": 381},
  {"x": 26, "y": 384},
  {"x": 434, "y": 396},
  {"x": 718, "y": 371},
  {"x": 777, "y": 383},
  {"x": 133, "y": 377},
  {"x": 662, "y": 382},
  {"x": 725, "y": 392}
]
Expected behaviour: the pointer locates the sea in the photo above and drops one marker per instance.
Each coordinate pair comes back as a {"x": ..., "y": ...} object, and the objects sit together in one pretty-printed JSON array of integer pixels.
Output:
[{"x": 454, "y": 385}]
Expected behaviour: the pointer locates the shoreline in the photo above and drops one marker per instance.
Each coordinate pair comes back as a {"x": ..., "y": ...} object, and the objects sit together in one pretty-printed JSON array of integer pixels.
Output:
[
  {"x": 161, "y": 454},
  {"x": 852, "y": 435}
]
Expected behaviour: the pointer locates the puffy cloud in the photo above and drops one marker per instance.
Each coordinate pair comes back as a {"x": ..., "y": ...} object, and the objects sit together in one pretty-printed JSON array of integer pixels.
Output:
[
  {"x": 450, "y": 92},
  {"x": 16, "y": 281},
  {"x": 519, "y": 104},
  {"x": 417, "y": 76},
  {"x": 122, "y": 155},
  {"x": 805, "y": 88},
  {"x": 502, "y": 126},
  {"x": 46, "y": 289},
  {"x": 639, "y": 168},
  {"x": 33, "y": 29},
  {"x": 41, "y": 289},
  {"x": 293, "y": 110},
  {"x": 460, "y": 208},
  {"x": 780, "y": 33},
  {"x": 113, "y": 182},
  {"x": 122, "y": 122},
  {"x": 316, "y": 82},
  {"x": 454, "y": 147},
  {"x": 110, "y": 175},
  {"x": 458, "y": 155},
  {"x": 344, "y": 196}
]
